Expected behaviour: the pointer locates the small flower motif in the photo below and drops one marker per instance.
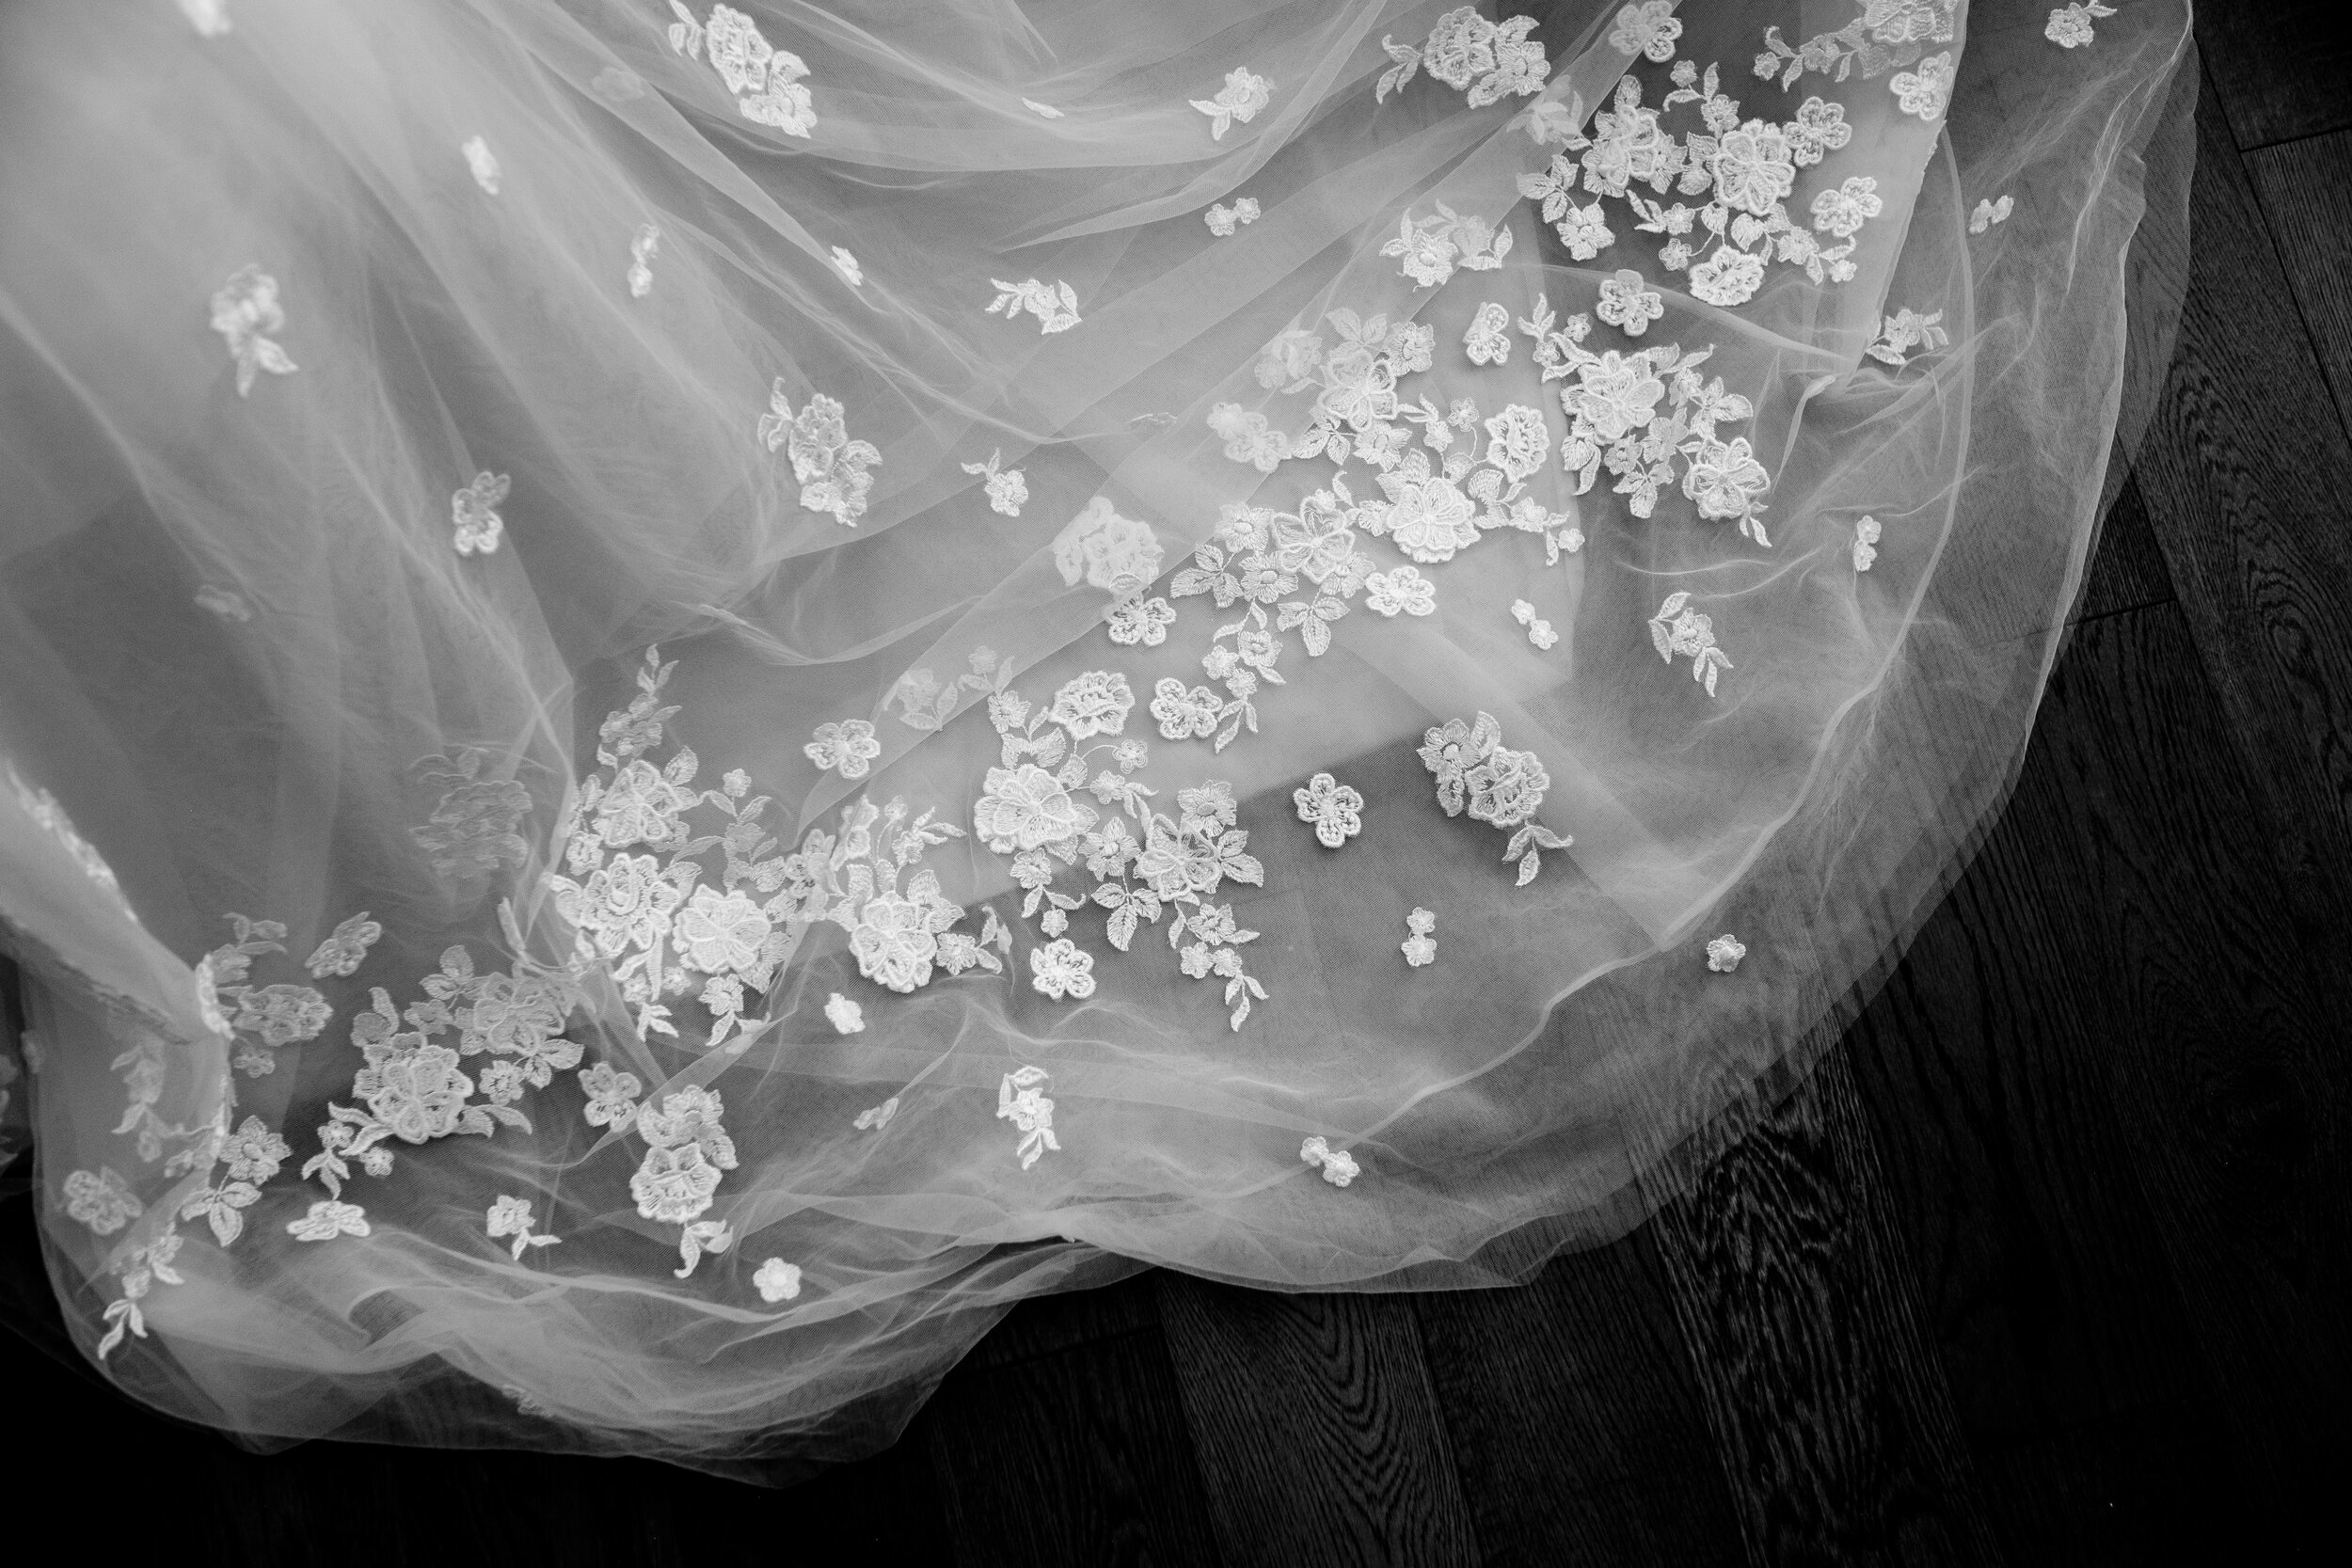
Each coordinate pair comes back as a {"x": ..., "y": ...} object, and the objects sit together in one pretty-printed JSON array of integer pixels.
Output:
[
  {"x": 721, "y": 933},
  {"x": 1866, "y": 538},
  {"x": 1727, "y": 277},
  {"x": 1054, "y": 304},
  {"x": 1676, "y": 628},
  {"x": 254, "y": 1153},
  {"x": 483, "y": 164},
  {"x": 1820, "y": 128},
  {"x": 1626, "y": 305},
  {"x": 1585, "y": 231},
  {"x": 1137, "y": 619},
  {"x": 1517, "y": 441},
  {"x": 874, "y": 1118},
  {"x": 846, "y": 1015},
  {"x": 1926, "y": 91},
  {"x": 1987, "y": 213},
  {"x": 1061, "y": 968},
  {"x": 1460, "y": 47},
  {"x": 641, "y": 247},
  {"x": 1724, "y": 953},
  {"x": 342, "y": 951},
  {"x": 1222, "y": 220},
  {"x": 1401, "y": 591},
  {"x": 511, "y": 1216},
  {"x": 777, "y": 1281},
  {"x": 1096, "y": 703},
  {"x": 327, "y": 1220},
  {"x": 1843, "y": 211},
  {"x": 1339, "y": 1166},
  {"x": 1489, "y": 339},
  {"x": 1334, "y": 809},
  {"x": 471, "y": 509},
  {"x": 2070, "y": 26},
  {"x": 1648, "y": 29},
  {"x": 1184, "y": 714},
  {"x": 1028, "y": 808},
  {"x": 102, "y": 1201},
  {"x": 1905, "y": 330},
  {"x": 847, "y": 265},
  {"x": 1020, "y": 1101},
  {"x": 1538, "y": 632},
  {"x": 1007, "y": 488},
  {"x": 245, "y": 312},
  {"x": 1421, "y": 947},
  {"x": 1240, "y": 97},
  {"x": 848, "y": 748}
]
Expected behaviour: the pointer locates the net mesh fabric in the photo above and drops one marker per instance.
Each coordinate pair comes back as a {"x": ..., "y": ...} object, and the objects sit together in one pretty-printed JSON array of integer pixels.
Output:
[{"x": 252, "y": 673}]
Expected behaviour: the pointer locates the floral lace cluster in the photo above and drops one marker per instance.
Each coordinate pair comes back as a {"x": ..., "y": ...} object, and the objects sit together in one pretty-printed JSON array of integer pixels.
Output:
[
  {"x": 2070, "y": 26},
  {"x": 1888, "y": 34},
  {"x": 476, "y": 523},
  {"x": 1007, "y": 488},
  {"x": 1746, "y": 169},
  {"x": 1504, "y": 788},
  {"x": 471, "y": 832},
  {"x": 1243, "y": 95},
  {"x": 1678, "y": 629},
  {"x": 765, "y": 80},
  {"x": 831, "y": 468},
  {"x": 1054, "y": 305},
  {"x": 245, "y": 312},
  {"x": 1222, "y": 220},
  {"x": 1339, "y": 1166},
  {"x": 1486, "y": 61},
  {"x": 1021, "y": 1100},
  {"x": 1432, "y": 247},
  {"x": 1905, "y": 332},
  {"x": 264, "y": 1017},
  {"x": 482, "y": 164}
]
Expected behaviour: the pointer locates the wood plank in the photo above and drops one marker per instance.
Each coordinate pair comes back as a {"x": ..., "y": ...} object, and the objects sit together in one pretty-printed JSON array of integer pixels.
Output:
[
  {"x": 1079, "y": 1457},
  {"x": 1829, "y": 1410},
  {"x": 1575, "y": 1417},
  {"x": 2126, "y": 567},
  {"x": 2305, "y": 188},
  {"x": 2277, "y": 67},
  {"x": 1315, "y": 1426}
]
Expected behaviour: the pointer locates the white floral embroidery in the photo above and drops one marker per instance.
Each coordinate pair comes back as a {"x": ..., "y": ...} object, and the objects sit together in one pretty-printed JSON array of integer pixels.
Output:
[
  {"x": 687, "y": 1150},
  {"x": 1060, "y": 968},
  {"x": 1648, "y": 29},
  {"x": 1240, "y": 97},
  {"x": 1401, "y": 591},
  {"x": 1488, "y": 341},
  {"x": 477, "y": 528},
  {"x": 1138, "y": 620},
  {"x": 1432, "y": 247},
  {"x": 829, "y": 464},
  {"x": 1477, "y": 58},
  {"x": 253, "y": 1154},
  {"x": 1116, "y": 554},
  {"x": 1054, "y": 305},
  {"x": 1866, "y": 537},
  {"x": 245, "y": 312},
  {"x": 1334, "y": 809},
  {"x": 642, "y": 248},
  {"x": 1419, "y": 946},
  {"x": 1843, "y": 211},
  {"x": 848, "y": 266},
  {"x": 511, "y": 1216},
  {"x": 1626, "y": 305},
  {"x": 1499, "y": 786},
  {"x": 141, "y": 1269},
  {"x": 612, "y": 1097},
  {"x": 1339, "y": 1167},
  {"x": 1007, "y": 488},
  {"x": 483, "y": 164},
  {"x": 101, "y": 1199},
  {"x": 1222, "y": 220},
  {"x": 1020, "y": 1101},
  {"x": 777, "y": 1281},
  {"x": 767, "y": 79},
  {"x": 50, "y": 818},
  {"x": 345, "y": 949},
  {"x": 846, "y": 1015},
  {"x": 1989, "y": 212},
  {"x": 1538, "y": 632},
  {"x": 329, "y": 1219},
  {"x": 1676, "y": 628},
  {"x": 877, "y": 1117},
  {"x": 2070, "y": 26},
  {"x": 927, "y": 705},
  {"x": 210, "y": 18},
  {"x": 1888, "y": 34},
  {"x": 472, "y": 831},
  {"x": 848, "y": 748},
  {"x": 1724, "y": 953},
  {"x": 222, "y": 602},
  {"x": 1907, "y": 330},
  {"x": 268, "y": 1017},
  {"x": 1926, "y": 90},
  {"x": 1044, "y": 111}
]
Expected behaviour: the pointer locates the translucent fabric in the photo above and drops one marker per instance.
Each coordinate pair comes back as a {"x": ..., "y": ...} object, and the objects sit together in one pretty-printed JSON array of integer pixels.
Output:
[{"x": 693, "y": 693}]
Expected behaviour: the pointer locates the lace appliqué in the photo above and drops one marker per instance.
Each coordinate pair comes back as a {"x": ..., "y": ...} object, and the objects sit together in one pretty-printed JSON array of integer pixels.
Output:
[
  {"x": 245, "y": 312},
  {"x": 777, "y": 1281},
  {"x": 1240, "y": 97},
  {"x": 1007, "y": 488},
  {"x": 1628, "y": 306},
  {"x": 1905, "y": 332},
  {"x": 478, "y": 528},
  {"x": 1888, "y": 34},
  {"x": 765, "y": 80},
  {"x": 511, "y": 1216},
  {"x": 50, "y": 818},
  {"x": 687, "y": 1151},
  {"x": 1926, "y": 91},
  {"x": 102, "y": 1201},
  {"x": 1724, "y": 953},
  {"x": 875, "y": 1118},
  {"x": 1488, "y": 339},
  {"x": 926, "y": 704},
  {"x": 1989, "y": 212},
  {"x": 1499, "y": 786},
  {"x": 1486, "y": 61},
  {"x": 1866, "y": 538},
  {"x": 1419, "y": 946},
  {"x": 1432, "y": 247},
  {"x": 612, "y": 1097},
  {"x": 1400, "y": 590},
  {"x": 1339, "y": 1166},
  {"x": 1331, "y": 808},
  {"x": 345, "y": 949},
  {"x": 1678, "y": 629},
  {"x": 266, "y": 1017},
  {"x": 848, "y": 748},
  {"x": 483, "y": 163},
  {"x": 1222, "y": 220},
  {"x": 1648, "y": 29},
  {"x": 2070, "y": 26},
  {"x": 1054, "y": 305},
  {"x": 329, "y": 1219},
  {"x": 1540, "y": 631},
  {"x": 642, "y": 248},
  {"x": 1020, "y": 1101},
  {"x": 830, "y": 467},
  {"x": 1115, "y": 554},
  {"x": 472, "y": 831},
  {"x": 846, "y": 1015},
  {"x": 1061, "y": 968},
  {"x": 847, "y": 265}
]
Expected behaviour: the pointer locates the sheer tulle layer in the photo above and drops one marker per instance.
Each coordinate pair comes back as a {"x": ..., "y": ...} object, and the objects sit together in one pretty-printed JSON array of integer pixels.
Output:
[{"x": 523, "y": 320}]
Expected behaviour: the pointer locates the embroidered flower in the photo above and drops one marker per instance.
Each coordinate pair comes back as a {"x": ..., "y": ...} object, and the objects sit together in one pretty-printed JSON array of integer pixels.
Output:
[
  {"x": 721, "y": 933},
  {"x": 1926, "y": 90},
  {"x": 1724, "y": 479},
  {"x": 416, "y": 1090},
  {"x": 1489, "y": 339},
  {"x": 1028, "y": 808},
  {"x": 1585, "y": 232},
  {"x": 1538, "y": 632},
  {"x": 1517, "y": 441},
  {"x": 784, "y": 104},
  {"x": 101, "y": 1199},
  {"x": 342, "y": 951},
  {"x": 1055, "y": 305},
  {"x": 1505, "y": 788},
  {"x": 848, "y": 748},
  {"x": 1184, "y": 714},
  {"x": 1095, "y": 703},
  {"x": 1866, "y": 538},
  {"x": 1419, "y": 946},
  {"x": 327, "y": 1220},
  {"x": 1626, "y": 305},
  {"x": 1119, "y": 555},
  {"x": 1007, "y": 488},
  {"x": 1290, "y": 361},
  {"x": 847, "y": 265},
  {"x": 777, "y": 1281},
  {"x": 1724, "y": 953},
  {"x": 1616, "y": 394},
  {"x": 1843, "y": 211},
  {"x": 479, "y": 527},
  {"x": 1727, "y": 277},
  {"x": 1249, "y": 437},
  {"x": 830, "y": 467},
  {"x": 511, "y": 1216},
  {"x": 1401, "y": 590},
  {"x": 245, "y": 312},
  {"x": 1820, "y": 128},
  {"x": 1676, "y": 628},
  {"x": 846, "y": 1015},
  {"x": 2070, "y": 26},
  {"x": 253, "y": 1152},
  {"x": 1240, "y": 97},
  {"x": 673, "y": 1186},
  {"x": 1223, "y": 220},
  {"x": 1427, "y": 249},
  {"x": 875, "y": 1117},
  {"x": 897, "y": 938},
  {"x": 1987, "y": 213},
  {"x": 1137, "y": 619},
  {"x": 1334, "y": 809},
  {"x": 1429, "y": 517},
  {"x": 1020, "y": 1101},
  {"x": 1648, "y": 29},
  {"x": 483, "y": 164},
  {"x": 1906, "y": 330},
  {"x": 642, "y": 248},
  {"x": 1339, "y": 1167},
  {"x": 1460, "y": 47},
  {"x": 283, "y": 1015},
  {"x": 611, "y": 1096},
  {"x": 1061, "y": 968}
]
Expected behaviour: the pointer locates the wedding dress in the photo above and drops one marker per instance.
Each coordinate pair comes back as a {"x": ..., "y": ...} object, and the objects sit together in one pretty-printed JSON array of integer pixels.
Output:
[{"x": 694, "y": 692}]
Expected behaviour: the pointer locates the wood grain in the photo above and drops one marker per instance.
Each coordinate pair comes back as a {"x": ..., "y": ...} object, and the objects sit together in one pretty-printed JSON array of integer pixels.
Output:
[
  {"x": 2305, "y": 189},
  {"x": 1316, "y": 1426},
  {"x": 2280, "y": 68}
]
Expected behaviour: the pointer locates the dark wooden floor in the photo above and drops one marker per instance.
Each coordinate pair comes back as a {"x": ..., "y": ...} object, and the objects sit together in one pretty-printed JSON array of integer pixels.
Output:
[{"x": 2047, "y": 1263}]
